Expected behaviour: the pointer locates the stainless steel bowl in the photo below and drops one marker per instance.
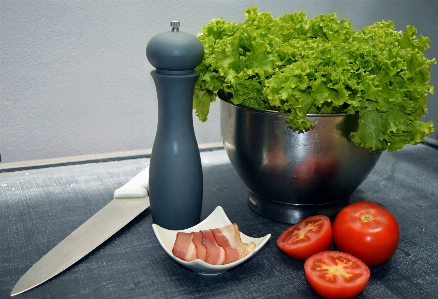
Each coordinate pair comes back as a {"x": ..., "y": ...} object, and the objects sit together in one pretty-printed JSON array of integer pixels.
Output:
[{"x": 292, "y": 175}]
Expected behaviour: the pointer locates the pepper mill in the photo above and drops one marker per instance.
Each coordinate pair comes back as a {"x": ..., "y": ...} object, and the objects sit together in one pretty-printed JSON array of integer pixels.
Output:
[{"x": 175, "y": 174}]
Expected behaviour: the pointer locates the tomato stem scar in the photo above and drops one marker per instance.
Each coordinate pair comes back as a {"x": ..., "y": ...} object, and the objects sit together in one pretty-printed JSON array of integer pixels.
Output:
[{"x": 366, "y": 217}]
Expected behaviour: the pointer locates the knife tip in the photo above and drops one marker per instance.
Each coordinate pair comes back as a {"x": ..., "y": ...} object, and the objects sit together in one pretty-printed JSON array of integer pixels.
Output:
[
  {"x": 19, "y": 289},
  {"x": 14, "y": 291}
]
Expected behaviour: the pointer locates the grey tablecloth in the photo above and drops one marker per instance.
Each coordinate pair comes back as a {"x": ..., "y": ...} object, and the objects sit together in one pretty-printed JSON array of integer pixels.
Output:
[{"x": 40, "y": 207}]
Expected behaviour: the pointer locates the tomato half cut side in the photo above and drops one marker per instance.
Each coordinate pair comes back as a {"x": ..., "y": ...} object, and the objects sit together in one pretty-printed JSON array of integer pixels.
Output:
[
  {"x": 334, "y": 274},
  {"x": 307, "y": 237}
]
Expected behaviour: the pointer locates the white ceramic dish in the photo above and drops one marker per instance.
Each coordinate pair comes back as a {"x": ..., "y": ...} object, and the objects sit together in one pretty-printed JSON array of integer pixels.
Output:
[{"x": 217, "y": 218}]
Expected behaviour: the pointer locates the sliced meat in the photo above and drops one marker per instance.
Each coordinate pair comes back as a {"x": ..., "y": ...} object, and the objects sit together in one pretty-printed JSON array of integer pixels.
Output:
[
  {"x": 201, "y": 251},
  {"x": 215, "y": 253},
  {"x": 217, "y": 246},
  {"x": 231, "y": 254},
  {"x": 184, "y": 248},
  {"x": 232, "y": 234}
]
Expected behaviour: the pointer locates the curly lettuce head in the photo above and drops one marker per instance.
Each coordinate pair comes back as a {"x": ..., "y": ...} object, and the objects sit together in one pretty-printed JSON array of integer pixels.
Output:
[{"x": 297, "y": 66}]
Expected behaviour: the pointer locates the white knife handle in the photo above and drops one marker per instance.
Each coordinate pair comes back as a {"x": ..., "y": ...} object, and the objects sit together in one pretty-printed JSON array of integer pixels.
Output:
[{"x": 137, "y": 187}]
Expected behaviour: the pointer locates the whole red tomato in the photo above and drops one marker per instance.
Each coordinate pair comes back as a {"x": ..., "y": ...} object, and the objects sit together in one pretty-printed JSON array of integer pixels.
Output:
[
  {"x": 307, "y": 237},
  {"x": 336, "y": 275},
  {"x": 367, "y": 231}
]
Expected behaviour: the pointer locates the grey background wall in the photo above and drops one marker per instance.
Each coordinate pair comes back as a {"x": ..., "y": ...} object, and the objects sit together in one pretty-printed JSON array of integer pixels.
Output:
[{"x": 74, "y": 78}]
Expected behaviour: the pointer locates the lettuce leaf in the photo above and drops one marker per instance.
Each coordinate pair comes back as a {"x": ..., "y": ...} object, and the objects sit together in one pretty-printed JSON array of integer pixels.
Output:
[{"x": 297, "y": 65}]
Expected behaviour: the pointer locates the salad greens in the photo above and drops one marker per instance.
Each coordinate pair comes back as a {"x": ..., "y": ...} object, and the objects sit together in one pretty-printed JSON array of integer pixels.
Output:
[{"x": 297, "y": 66}]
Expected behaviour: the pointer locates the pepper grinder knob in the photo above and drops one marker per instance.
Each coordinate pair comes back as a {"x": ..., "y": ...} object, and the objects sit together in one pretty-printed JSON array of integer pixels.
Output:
[
  {"x": 175, "y": 25},
  {"x": 174, "y": 51}
]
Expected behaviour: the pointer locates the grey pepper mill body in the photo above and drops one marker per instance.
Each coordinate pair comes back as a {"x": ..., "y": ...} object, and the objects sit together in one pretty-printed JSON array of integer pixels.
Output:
[{"x": 175, "y": 174}]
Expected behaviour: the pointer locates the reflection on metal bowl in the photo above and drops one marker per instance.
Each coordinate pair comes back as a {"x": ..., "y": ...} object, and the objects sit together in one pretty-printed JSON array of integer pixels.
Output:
[{"x": 292, "y": 175}]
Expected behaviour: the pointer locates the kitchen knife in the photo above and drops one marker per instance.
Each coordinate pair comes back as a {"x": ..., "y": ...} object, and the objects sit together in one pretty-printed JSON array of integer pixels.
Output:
[{"x": 129, "y": 201}]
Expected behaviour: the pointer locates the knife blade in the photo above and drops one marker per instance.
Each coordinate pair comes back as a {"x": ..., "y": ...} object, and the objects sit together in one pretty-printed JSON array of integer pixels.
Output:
[{"x": 129, "y": 201}]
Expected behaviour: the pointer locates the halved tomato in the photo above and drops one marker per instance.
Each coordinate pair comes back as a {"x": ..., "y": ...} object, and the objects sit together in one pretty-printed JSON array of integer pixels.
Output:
[
  {"x": 334, "y": 274},
  {"x": 307, "y": 237}
]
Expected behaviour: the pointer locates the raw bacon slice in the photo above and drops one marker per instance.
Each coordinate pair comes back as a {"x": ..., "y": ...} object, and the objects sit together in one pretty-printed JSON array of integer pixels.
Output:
[
  {"x": 215, "y": 253},
  {"x": 201, "y": 251},
  {"x": 186, "y": 249},
  {"x": 217, "y": 246},
  {"x": 231, "y": 254},
  {"x": 232, "y": 234}
]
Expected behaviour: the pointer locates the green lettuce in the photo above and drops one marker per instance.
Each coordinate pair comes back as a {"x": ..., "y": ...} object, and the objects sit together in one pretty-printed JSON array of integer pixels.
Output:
[{"x": 297, "y": 66}]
